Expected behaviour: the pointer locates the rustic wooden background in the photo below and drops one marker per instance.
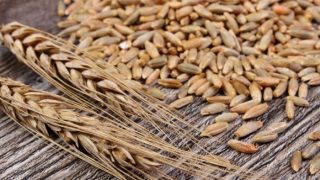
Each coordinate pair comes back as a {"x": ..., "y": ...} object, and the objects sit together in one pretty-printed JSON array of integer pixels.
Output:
[{"x": 23, "y": 156}]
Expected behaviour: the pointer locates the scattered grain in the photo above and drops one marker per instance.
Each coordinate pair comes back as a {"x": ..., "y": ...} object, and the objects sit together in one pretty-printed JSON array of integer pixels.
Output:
[
  {"x": 242, "y": 147},
  {"x": 214, "y": 129},
  {"x": 213, "y": 108},
  {"x": 296, "y": 161},
  {"x": 310, "y": 151},
  {"x": 248, "y": 128},
  {"x": 181, "y": 102}
]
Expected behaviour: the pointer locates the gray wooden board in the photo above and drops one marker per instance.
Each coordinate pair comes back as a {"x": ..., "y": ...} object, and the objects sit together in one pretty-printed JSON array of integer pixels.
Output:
[{"x": 24, "y": 156}]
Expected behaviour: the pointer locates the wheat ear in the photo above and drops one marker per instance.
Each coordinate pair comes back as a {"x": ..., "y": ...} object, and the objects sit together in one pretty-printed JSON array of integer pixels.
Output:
[
  {"x": 43, "y": 113},
  {"x": 104, "y": 143}
]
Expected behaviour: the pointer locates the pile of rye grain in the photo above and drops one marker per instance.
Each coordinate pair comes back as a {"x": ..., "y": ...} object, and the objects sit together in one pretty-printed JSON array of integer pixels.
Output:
[{"x": 236, "y": 55}]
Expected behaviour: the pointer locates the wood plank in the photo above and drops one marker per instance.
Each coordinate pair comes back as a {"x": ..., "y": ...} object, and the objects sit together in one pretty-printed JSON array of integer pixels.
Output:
[{"x": 24, "y": 156}]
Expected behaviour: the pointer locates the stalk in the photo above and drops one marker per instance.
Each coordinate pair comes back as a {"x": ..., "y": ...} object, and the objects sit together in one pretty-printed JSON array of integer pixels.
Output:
[{"x": 116, "y": 149}]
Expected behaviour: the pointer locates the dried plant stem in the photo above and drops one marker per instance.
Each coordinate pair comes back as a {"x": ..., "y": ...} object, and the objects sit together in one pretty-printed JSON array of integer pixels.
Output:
[{"x": 94, "y": 136}]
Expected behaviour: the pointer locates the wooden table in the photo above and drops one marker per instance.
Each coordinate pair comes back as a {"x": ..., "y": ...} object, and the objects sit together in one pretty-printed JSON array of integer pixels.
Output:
[{"x": 24, "y": 156}]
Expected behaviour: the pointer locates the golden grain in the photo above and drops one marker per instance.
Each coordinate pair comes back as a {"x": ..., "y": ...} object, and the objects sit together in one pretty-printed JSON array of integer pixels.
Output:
[
  {"x": 164, "y": 72},
  {"x": 195, "y": 78},
  {"x": 143, "y": 38},
  {"x": 248, "y": 128},
  {"x": 203, "y": 88},
  {"x": 276, "y": 127},
  {"x": 266, "y": 40},
  {"x": 137, "y": 72},
  {"x": 264, "y": 138},
  {"x": 131, "y": 54},
  {"x": 226, "y": 117},
  {"x": 228, "y": 66},
  {"x": 237, "y": 100},
  {"x": 298, "y": 101},
  {"x": 242, "y": 147},
  {"x": 169, "y": 83},
  {"x": 266, "y": 81},
  {"x": 314, "y": 81},
  {"x": 240, "y": 88},
  {"x": 228, "y": 88},
  {"x": 155, "y": 92},
  {"x": 296, "y": 161},
  {"x": 315, "y": 136},
  {"x": 151, "y": 49},
  {"x": 290, "y": 109},
  {"x": 293, "y": 86},
  {"x": 183, "y": 91},
  {"x": 256, "y": 111},
  {"x": 146, "y": 72},
  {"x": 310, "y": 76},
  {"x": 196, "y": 85},
  {"x": 280, "y": 89},
  {"x": 213, "y": 108},
  {"x": 189, "y": 68},
  {"x": 183, "y": 77},
  {"x": 267, "y": 94},
  {"x": 215, "y": 80},
  {"x": 181, "y": 102},
  {"x": 244, "y": 106},
  {"x": 214, "y": 129},
  {"x": 207, "y": 60},
  {"x": 219, "y": 99},
  {"x": 255, "y": 92},
  {"x": 158, "y": 62},
  {"x": 310, "y": 151},
  {"x": 314, "y": 165},
  {"x": 221, "y": 59},
  {"x": 193, "y": 43},
  {"x": 173, "y": 62},
  {"x": 172, "y": 38},
  {"x": 211, "y": 91},
  {"x": 303, "y": 34}
]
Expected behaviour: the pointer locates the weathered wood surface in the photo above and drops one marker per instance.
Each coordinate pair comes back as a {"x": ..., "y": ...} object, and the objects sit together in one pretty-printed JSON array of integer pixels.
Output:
[{"x": 23, "y": 156}]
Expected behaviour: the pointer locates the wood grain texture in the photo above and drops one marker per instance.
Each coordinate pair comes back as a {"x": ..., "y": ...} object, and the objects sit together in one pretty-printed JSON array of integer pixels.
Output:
[{"x": 23, "y": 156}]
